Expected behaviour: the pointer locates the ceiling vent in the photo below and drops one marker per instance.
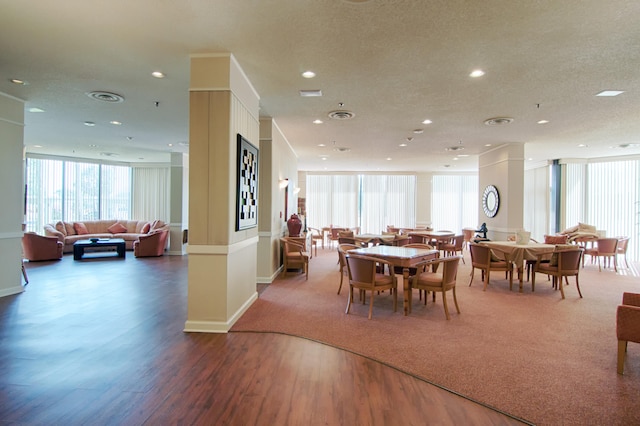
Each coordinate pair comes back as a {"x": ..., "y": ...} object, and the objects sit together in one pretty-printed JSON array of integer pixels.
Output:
[
  {"x": 455, "y": 148},
  {"x": 342, "y": 149},
  {"x": 105, "y": 96},
  {"x": 498, "y": 121},
  {"x": 341, "y": 115}
]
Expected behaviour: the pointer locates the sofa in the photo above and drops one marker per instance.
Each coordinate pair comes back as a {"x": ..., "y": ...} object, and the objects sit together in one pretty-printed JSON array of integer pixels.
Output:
[{"x": 129, "y": 230}]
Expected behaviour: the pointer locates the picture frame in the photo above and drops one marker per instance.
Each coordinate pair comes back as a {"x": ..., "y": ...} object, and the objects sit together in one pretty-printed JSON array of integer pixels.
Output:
[{"x": 247, "y": 185}]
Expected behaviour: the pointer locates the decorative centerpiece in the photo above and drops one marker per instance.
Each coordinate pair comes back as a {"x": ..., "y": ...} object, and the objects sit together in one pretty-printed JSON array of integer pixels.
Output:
[{"x": 294, "y": 224}]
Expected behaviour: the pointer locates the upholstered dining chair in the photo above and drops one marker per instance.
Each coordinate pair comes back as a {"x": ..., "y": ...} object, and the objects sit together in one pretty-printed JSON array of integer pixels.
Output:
[
  {"x": 316, "y": 236},
  {"x": 481, "y": 258},
  {"x": 606, "y": 248},
  {"x": 363, "y": 276},
  {"x": 623, "y": 244},
  {"x": 468, "y": 236},
  {"x": 438, "y": 282},
  {"x": 454, "y": 246},
  {"x": 334, "y": 234},
  {"x": 627, "y": 325},
  {"x": 342, "y": 260},
  {"x": 564, "y": 262},
  {"x": 548, "y": 239},
  {"x": 294, "y": 256}
]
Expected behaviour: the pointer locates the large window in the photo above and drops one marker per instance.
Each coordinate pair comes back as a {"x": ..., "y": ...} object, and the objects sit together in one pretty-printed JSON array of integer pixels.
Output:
[
  {"x": 369, "y": 201},
  {"x": 75, "y": 191},
  {"x": 606, "y": 195},
  {"x": 454, "y": 201}
]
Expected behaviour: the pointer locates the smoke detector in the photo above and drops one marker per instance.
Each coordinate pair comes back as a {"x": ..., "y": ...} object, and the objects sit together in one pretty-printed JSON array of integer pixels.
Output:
[
  {"x": 99, "y": 95},
  {"x": 498, "y": 121},
  {"x": 341, "y": 115}
]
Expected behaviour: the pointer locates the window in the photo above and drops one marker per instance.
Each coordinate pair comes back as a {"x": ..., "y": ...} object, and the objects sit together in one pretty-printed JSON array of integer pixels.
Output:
[
  {"x": 75, "y": 191},
  {"x": 454, "y": 202}
]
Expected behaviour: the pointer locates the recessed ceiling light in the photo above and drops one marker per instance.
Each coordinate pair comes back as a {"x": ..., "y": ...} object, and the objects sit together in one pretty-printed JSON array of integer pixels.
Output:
[
  {"x": 89, "y": 123},
  {"x": 543, "y": 121},
  {"x": 308, "y": 74},
  {"x": 321, "y": 144},
  {"x": 37, "y": 146},
  {"x": 157, "y": 74},
  {"x": 455, "y": 158},
  {"x": 403, "y": 144},
  {"x": 183, "y": 143},
  {"x": 93, "y": 145},
  {"x": 427, "y": 121},
  {"x": 463, "y": 155},
  {"x": 476, "y": 73},
  {"x": 582, "y": 145},
  {"x": 388, "y": 158},
  {"x": 169, "y": 144},
  {"x": 610, "y": 93},
  {"x": 418, "y": 131},
  {"x": 487, "y": 144},
  {"x": 318, "y": 121},
  {"x": 35, "y": 109},
  {"x": 116, "y": 123},
  {"x": 310, "y": 93},
  {"x": 324, "y": 158},
  {"x": 18, "y": 81}
]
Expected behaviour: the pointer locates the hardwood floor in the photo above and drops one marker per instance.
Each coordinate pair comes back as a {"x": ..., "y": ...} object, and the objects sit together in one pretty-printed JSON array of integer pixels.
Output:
[{"x": 100, "y": 342}]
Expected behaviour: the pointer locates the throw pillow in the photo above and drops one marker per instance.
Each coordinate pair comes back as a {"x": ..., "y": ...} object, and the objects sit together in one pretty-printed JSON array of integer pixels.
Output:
[
  {"x": 80, "y": 228},
  {"x": 69, "y": 227},
  {"x": 555, "y": 239},
  {"x": 117, "y": 228},
  {"x": 570, "y": 230},
  {"x": 583, "y": 227},
  {"x": 61, "y": 228},
  {"x": 146, "y": 228},
  {"x": 156, "y": 224}
]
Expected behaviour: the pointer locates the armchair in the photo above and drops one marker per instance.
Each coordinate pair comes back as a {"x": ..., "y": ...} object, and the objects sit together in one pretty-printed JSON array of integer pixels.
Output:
[
  {"x": 363, "y": 276},
  {"x": 151, "y": 244},
  {"x": 38, "y": 247},
  {"x": 627, "y": 325},
  {"x": 294, "y": 256},
  {"x": 482, "y": 258},
  {"x": 438, "y": 281}
]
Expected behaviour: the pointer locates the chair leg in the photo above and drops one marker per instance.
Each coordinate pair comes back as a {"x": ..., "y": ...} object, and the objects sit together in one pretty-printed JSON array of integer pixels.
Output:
[
  {"x": 444, "y": 303},
  {"x": 455, "y": 300},
  {"x": 622, "y": 348},
  {"x": 371, "y": 304},
  {"x": 486, "y": 280},
  {"x": 578, "y": 286},
  {"x": 349, "y": 299},
  {"x": 559, "y": 284}
]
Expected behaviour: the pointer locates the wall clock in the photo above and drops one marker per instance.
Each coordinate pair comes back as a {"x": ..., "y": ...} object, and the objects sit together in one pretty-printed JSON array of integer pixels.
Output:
[{"x": 490, "y": 201}]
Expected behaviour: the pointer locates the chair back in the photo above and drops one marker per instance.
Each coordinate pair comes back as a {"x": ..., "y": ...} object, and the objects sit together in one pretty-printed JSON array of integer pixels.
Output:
[
  {"x": 458, "y": 241},
  {"x": 569, "y": 261},
  {"x": 607, "y": 246},
  {"x": 419, "y": 245},
  {"x": 480, "y": 255},
  {"x": 342, "y": 253},
  {"x": 362, "y": 270},
  {"x": 417, "y": 239},
  {"x": 623, "y": 243},
  {"x": 450, "y": 270}
]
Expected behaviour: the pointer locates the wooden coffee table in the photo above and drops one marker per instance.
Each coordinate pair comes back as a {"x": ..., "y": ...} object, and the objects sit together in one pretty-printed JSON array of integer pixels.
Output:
[{"x": 80, "y": 246}]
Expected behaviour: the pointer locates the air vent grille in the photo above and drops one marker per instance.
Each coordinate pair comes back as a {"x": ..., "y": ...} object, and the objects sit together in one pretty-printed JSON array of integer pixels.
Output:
[
  {"x": 341, "y": 115},
  {"x": 105, "y": 96}
]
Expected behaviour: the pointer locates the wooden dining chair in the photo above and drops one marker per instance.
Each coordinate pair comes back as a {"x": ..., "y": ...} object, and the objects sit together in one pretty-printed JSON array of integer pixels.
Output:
[
  {"x": 623, "y": 244},
  {"x": 564, "y": 263},
  {"x": 482, "y": 259},
  {"x": 454, "y": 246},
  {"x": 316, "y": 236},
  {"x": 342, "y": 260},
  {"x": 627, "y": 325},
  {"x": 437, "y": 282},
  {"x": 363, "y": 276},
  {"x": 606, "y": 248}
]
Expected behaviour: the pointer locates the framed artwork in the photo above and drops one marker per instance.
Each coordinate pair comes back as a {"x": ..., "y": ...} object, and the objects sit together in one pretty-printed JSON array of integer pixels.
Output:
[{"x": 247, "y": 198}]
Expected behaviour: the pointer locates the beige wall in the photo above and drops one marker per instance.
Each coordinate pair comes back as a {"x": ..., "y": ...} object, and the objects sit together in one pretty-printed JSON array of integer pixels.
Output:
[
  {"x": 11, "y": 193},
  {"x": 503, "y": 167},
  {"x": 277, "y": 161}
]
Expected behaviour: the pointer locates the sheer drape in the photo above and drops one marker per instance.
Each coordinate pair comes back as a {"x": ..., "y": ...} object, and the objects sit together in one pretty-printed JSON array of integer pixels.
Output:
[
  {"x": 536, "y": 202},
  {"x": 387, "y": 200},
  {"x": 454, "y": 202},
  {"x": 150, "y": 193},
  {"x": 606, "y": 195},
  {"x": 115, "y": 190},
  {"x": 44, "y": 203},
  {"x": 332, "y": 200}
]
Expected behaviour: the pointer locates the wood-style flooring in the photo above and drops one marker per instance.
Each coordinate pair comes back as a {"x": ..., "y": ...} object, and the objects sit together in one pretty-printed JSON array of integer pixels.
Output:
[{"x": 100, "y": 342}]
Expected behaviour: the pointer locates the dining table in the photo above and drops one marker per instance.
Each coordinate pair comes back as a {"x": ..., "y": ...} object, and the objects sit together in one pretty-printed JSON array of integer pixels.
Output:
[
  {"x": 519, "y": 253},
  {"x": 375, "y": 239},
  {"x": 438, "y": 236},
  {"x": 399, "y": 256}
]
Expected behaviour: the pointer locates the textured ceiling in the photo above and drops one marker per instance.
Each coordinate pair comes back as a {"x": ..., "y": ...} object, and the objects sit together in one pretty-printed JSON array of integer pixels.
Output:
[{"x": 393, "y": 63}]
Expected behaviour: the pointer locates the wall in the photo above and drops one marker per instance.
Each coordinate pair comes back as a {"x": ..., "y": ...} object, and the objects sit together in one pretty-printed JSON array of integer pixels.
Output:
[{"x": 11, "y": 193}]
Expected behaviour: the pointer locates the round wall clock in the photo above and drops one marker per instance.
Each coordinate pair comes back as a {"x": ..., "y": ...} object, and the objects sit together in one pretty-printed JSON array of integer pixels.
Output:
[{"x": 490, "y": 201}]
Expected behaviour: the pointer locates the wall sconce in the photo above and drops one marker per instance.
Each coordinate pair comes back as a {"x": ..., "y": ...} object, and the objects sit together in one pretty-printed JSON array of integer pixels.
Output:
[
  {"x": 296, "y": 190},
  {"x": 283, "y": 183}
]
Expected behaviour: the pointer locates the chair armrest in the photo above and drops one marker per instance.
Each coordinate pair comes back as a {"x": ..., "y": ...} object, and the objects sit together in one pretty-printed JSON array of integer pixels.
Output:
[
  {"x": 628, "y": 323},
  {"x": 631, "y": 299},
  {"x": 383, "y": 262}
]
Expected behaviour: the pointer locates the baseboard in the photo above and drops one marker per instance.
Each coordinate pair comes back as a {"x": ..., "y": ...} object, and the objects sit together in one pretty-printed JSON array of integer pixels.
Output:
[
  {"x": 219, "y": 326},
  {"x": 11, "y": 291}
]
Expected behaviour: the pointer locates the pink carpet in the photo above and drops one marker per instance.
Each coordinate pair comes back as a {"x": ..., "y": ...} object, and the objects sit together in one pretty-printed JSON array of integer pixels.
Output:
[{"x": 532, "y": 355}]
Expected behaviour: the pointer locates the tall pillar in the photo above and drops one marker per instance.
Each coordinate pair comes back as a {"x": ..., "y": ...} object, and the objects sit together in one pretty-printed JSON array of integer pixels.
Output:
[
  {"x": 12, "y": 193},
  {"x": 179, "y": 184},
  {"x": 503, "y": 167},
  {"x": 222, "y": 261}
]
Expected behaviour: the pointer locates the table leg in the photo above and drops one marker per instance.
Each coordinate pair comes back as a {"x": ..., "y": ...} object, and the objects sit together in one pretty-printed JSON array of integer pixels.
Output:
[
  {"x": 520, "y": 276},
  {"x": 405, "y": 291}
]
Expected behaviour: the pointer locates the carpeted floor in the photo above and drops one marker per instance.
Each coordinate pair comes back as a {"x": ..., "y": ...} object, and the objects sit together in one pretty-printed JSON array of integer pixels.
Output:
[{"x": 533, "y": 355}]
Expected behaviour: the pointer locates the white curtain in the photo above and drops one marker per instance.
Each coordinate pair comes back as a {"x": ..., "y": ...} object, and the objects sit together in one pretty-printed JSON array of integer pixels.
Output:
[
  {"x": 332, "y": 200},
  {"x": 387, "y": 200},
  {"x": 454, "y": 202},
  {"x": 537, "y": 193},
  {"x": 150, "y": 193}
]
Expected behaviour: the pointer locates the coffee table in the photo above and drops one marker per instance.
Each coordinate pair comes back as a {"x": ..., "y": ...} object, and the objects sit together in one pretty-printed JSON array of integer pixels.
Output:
[{"x": 80, "y": 246}]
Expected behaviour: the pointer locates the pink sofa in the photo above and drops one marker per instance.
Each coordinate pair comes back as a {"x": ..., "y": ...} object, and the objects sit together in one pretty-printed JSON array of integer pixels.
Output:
[{"x": 129, "y": 230}]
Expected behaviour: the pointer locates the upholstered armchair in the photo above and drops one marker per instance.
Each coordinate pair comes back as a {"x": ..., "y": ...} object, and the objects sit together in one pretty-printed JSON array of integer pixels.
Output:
[
  {"x": 151, "y": 244},
  {"x": 482, "y": 258},
  {"x": 363, "y": 275},
  {"x": 294, "y": 256},
  {"x": 627, "y": 325},
  {"x": 38, "y": 247}
]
